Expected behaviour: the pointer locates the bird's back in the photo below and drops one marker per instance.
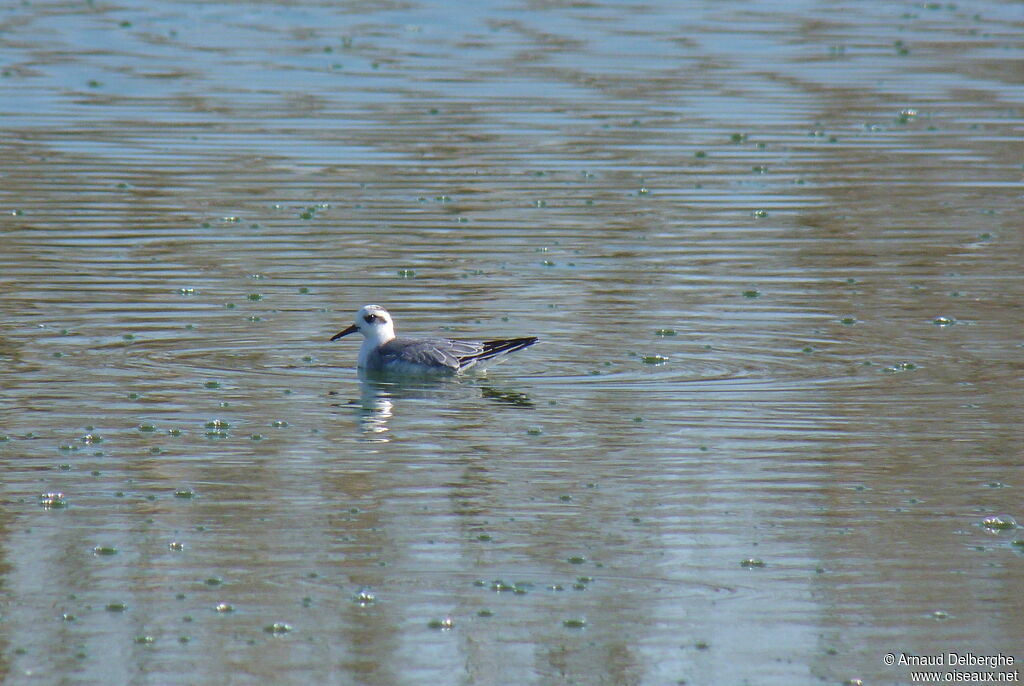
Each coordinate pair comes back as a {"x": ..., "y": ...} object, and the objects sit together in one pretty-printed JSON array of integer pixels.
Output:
[{"x": 444, "y": 355}]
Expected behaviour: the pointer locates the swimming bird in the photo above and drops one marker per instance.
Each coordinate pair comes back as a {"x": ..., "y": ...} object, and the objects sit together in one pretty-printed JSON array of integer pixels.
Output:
[{"x": 381, "y": 351}]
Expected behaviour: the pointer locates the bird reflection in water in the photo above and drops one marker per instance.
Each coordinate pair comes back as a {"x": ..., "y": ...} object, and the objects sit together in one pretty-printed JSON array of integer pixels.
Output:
[{"x": 378, "y": 395}]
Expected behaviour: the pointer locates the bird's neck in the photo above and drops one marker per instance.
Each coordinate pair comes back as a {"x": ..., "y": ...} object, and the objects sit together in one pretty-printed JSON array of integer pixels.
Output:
[{"x": 373, "y": 340}]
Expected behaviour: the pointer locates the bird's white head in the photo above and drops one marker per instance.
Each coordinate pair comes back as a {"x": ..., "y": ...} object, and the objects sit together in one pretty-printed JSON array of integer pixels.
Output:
[{"x": 374, "y": 322}]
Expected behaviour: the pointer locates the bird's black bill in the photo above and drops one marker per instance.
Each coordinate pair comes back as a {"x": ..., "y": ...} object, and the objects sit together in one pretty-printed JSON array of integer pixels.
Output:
[{"x": 351, "y": 329}]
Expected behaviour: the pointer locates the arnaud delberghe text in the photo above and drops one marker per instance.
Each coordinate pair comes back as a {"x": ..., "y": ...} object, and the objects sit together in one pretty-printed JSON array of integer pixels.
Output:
[{"x": 952, "y": 659}]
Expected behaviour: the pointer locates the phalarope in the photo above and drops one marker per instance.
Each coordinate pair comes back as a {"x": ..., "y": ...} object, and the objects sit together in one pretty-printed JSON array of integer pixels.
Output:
[{"x": 381, "y": 351}]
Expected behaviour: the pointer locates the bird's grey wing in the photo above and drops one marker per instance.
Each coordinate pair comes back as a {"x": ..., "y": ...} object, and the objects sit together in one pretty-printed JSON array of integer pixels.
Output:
[{"x": 430, "y": 352}]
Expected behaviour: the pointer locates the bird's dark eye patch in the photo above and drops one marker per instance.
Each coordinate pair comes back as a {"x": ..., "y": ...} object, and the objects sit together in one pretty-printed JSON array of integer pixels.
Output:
[{"x": 370, "y": 318}]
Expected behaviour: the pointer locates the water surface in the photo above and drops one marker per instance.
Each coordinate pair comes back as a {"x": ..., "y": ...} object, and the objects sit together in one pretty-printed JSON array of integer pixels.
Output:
[{"x": 773, "y": 257}]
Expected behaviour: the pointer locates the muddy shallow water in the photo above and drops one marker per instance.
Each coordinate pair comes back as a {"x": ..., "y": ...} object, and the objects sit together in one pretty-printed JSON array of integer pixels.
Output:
[{"x": 772, "y": 431}]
